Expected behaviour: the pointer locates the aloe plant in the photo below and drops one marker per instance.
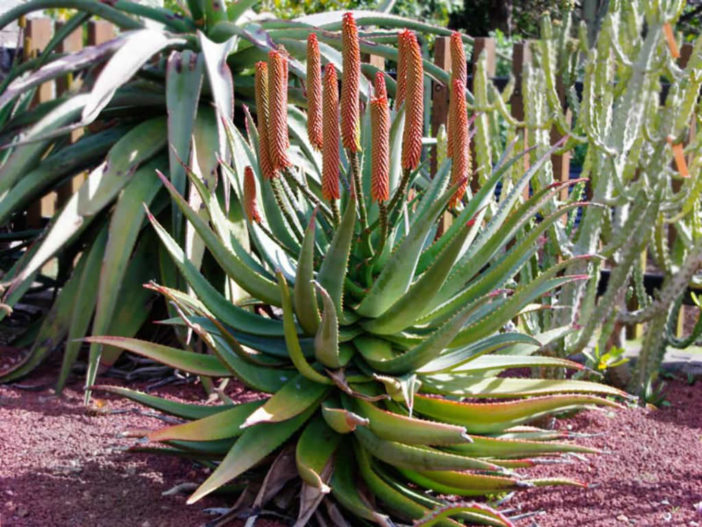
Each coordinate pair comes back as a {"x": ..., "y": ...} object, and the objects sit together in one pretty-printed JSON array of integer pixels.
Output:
[
  {"x": 377, "y": 338},
  {"x": 146, "y": 103}
]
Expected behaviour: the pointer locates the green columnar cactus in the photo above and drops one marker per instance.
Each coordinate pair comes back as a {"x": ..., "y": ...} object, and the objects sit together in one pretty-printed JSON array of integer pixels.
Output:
[{"x": 641, "y": 185}]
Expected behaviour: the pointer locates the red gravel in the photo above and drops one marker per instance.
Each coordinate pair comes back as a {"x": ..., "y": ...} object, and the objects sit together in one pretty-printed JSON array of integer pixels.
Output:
[
  {"x": 653, "y": 476},
  {"x": 62, "y": 465}
]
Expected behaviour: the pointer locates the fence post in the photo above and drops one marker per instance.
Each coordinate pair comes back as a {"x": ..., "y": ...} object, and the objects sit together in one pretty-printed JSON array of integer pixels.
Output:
[
  {"x": 521, "y": 56},
  {"x": 439, "y": 94},
  {"x": 71, "y": 44},
  {"x": 38, "y": 34},
  {"x": 374, "y": 60},
  {"x": 488, "y": 45}
]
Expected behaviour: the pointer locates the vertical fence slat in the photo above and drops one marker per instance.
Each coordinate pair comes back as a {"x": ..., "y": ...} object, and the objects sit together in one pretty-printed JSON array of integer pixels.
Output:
[
  {"x": 38, "y": 34},
  {"x": 488, "y": 45}
]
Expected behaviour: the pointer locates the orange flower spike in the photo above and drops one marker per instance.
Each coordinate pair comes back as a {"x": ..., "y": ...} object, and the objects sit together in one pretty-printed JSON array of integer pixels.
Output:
[
  {"x": 278, "y": 110},
  {"x": 314, "y": 92},
  {"x": 401, "y": 70},
  {"x": 330, "y": 133},
  {"x": 459, "y": 68},
  {"x": 380, "y": 151},
  {"x": 460, "y": 167},
  {"x": 381, "y": 91},
  {"x": 250, "y": 196},
  {"x": 350, "y": 84},
  {"x": 261, "y": 95},
  {"x": 459, "y": 71},
  {"x": 414, "y": 104},
  {"x": 670, "y": 38}
]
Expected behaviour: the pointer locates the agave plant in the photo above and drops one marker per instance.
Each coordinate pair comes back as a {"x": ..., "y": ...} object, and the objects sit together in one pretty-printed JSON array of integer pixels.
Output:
[
  {"x": 146, "y": 103},
  {"x": 378, "y": 337}
]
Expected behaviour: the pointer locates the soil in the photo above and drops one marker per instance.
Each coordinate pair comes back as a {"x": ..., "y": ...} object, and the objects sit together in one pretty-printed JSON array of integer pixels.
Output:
[{"x": 62, "y": 464}]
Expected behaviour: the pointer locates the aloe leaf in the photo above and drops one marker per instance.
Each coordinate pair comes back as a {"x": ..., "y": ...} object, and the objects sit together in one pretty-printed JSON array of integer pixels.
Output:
[
  {"x": 494, "y": 418},
  {"x": 99, "y": 190},
  {"x": 84, "y": 306},
  {"x": 452, "y": 359},
  {"x": 491, "y": 447},
  {"x": 263, "y": 378},
  {"x": 502, "y": 270},
  {"x": 138, "y": 48},
  {"x": 100, "y": 9},
  {"x": 125, "y": 225},
  {"x": 463, "y": 483},
  {"x": 53, "y": 328},
  {"x": 402, "y": 455},
  {"x": 184, "y": 410},
  {"x": 306, "y": 307},
  {"x": 480, "y": 386},
  {"x": 475, "y": 512},
  {"x": 222, "y": 425},
  {"x": 237, "y": 10},
  {"x": 476, "y": 208},
  {"x": 291, "y": 339},
  {"x": 413, "y": 303},
  {"x": 409, "y": 430},
  {"x": 313, "y": 452},
  {"x": 243, "y": 155},
  {"x": 57, "y": 166},
  {"x": 346, "y": 491},
  {"x": 254, "y": 444},
  {"x": 501, "y": 229},
  {"x": 134, "y": 303},
  {"x": 295, "y": 397},
  {"x": 66, "y": 64},
  {"x": 184, "y": 76},
  {"x": 25, "y": 156},
  {"x": 326, "y": 342},
  {"x": 219, "y": 306},
  {"x": 429, "y": 347},
  {"x": 197, "y": 363},
  {"x": 332, "y": 272},
  {"x": 397, "y": 274},
  {"x": 235, "y": 268},
  {"x": 340, "y": 420},
  {"x": 523, "y": 295},
  {"x": 485, "y": 363},
  {"x": 405, "y": 506}
]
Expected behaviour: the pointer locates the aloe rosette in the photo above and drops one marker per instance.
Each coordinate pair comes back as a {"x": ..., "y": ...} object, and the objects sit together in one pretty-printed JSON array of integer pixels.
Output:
[{"x": 381, "y": 342}]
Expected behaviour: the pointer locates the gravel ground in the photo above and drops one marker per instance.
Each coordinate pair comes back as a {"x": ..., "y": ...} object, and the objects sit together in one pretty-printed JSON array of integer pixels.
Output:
[{"x": 62, "y": 464}]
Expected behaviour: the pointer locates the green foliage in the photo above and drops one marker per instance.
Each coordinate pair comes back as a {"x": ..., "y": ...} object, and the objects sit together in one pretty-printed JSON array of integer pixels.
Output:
[{"x": 368, "y": 328}]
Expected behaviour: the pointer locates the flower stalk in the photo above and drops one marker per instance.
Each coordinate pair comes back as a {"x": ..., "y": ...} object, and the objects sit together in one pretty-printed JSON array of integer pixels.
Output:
[
  {"x": 314, "y": 92},
  {"x": 278, "y": 110}
]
